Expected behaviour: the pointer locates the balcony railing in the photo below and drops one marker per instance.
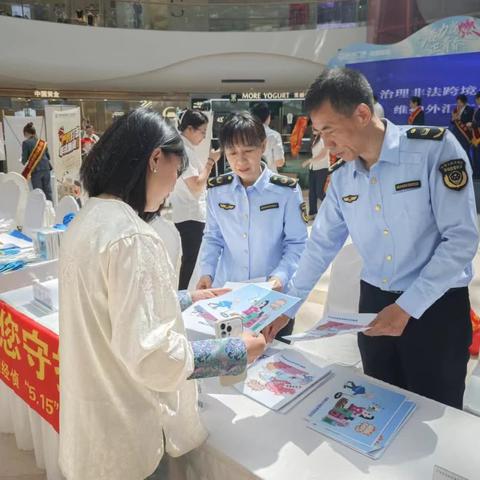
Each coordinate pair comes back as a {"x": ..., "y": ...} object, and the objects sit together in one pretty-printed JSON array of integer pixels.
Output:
[{"x": 179, "y": 16}]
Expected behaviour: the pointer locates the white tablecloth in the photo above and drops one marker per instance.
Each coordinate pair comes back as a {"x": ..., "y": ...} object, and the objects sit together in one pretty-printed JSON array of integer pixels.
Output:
[
  {"x": 248, "y": 441},
  {"x": 31, "y": 431}
]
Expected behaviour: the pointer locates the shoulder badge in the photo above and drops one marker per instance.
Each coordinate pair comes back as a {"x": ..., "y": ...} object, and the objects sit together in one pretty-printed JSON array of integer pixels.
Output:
[
  {"x": 455, "y": 176},
  {"x": 219, "y": 181},
  {"x": 336, "y": 166},
  {"x": 283, "y": 181},
  {"x": 426, "y": 133}
]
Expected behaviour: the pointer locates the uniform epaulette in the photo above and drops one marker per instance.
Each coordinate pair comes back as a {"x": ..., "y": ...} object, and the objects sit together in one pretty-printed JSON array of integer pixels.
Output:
[
  {"x": 283, "y": 181},
  {"x": 426, "y": 133},
  {"x": 220, "y": 180},
  {"x": 339, "y": 163}
]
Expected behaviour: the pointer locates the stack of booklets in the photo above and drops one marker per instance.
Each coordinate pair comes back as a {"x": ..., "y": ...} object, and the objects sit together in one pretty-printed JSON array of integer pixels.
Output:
[
  {"x": 257, "y": 306},
  {"x": 280, "y": 380},
  {"x": 360, "y": 415}
]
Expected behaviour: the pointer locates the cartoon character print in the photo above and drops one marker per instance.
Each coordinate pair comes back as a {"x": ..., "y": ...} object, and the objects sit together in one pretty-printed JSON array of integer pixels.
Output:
[
  {"x": 255, "y": 313},
  {"x": 343, "y": 413},
  {"x": 221, "y": 304},
  {"x": 365, "y": 428},
  {"x": 280, "y": 379}
]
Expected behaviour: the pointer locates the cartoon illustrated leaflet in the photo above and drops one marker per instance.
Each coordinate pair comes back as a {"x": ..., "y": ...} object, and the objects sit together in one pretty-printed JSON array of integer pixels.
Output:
[
  {"x": 376, "y": 451},
  {"x": 257, "y": 306},
  {"x": 335, "y": 324},
  {"x": 276, "y": 380},
  {"x": 356, "y": 410}
]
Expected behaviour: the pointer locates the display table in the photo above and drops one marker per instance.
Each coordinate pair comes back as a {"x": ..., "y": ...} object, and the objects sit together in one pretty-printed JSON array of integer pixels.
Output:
[
  {"x": 24, "y": 277},
  {"x": 31, "y": 431},
  {"x": 248, "y": 441}
]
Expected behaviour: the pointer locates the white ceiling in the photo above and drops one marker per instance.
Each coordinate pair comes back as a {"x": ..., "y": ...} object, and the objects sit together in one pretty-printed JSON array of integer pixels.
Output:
[{"x": 36, "y": 54}]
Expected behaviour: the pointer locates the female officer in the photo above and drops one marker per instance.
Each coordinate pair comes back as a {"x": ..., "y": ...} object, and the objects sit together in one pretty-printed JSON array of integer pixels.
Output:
[{"x": 255, "y": 218}]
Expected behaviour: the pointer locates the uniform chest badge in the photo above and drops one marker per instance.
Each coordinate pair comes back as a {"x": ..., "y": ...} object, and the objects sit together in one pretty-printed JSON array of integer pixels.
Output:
[
  {"x": 350, "y": 198},
  {"x": 269, "y": 206},
  {"x": 412, "y": 184},
  {"x": 455, "y": 176},
  {"x": 226, "y": 206}
]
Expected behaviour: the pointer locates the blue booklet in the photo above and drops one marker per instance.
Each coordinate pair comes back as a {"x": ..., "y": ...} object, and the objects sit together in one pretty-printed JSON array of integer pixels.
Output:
[
  {"x": 257, "y": 306},
  {"x": 361, "y": 415}
]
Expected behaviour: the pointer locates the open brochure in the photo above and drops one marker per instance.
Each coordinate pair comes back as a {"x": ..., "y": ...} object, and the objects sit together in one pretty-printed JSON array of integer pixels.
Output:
[
  {"x": 278, "y": 380},
  {"x": 336, "y": 324},
  {"x": 257, "y": 306},
  {"x": 360, "y": 415}
]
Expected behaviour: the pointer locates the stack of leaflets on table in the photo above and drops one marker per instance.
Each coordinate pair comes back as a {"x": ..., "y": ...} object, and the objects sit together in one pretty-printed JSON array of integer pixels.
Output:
[
  {"x": 335, "y": 324},
  {"x": 360, "y": 415},
  {"x": 280, "y": 380},
  {"x": 257, "y": 306}
]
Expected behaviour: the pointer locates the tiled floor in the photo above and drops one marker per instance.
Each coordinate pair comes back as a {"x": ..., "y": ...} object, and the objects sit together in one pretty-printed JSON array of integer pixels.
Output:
[{"x": 16, "y": 464}]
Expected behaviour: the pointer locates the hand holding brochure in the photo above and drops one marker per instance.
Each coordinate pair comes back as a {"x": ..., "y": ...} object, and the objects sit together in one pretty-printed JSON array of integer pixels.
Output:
[
  {"x": 336, "y": 324},
  {"x": 257, "y": 306}
]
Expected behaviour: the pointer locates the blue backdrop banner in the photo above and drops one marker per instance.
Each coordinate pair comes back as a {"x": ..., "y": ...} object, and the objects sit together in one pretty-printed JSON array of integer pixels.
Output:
[{"x": 437, "y": 80}]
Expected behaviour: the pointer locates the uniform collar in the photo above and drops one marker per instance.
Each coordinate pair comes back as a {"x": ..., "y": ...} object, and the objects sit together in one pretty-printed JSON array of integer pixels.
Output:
[
  {"x": 390, "y": 152},
  {"x": 262, "y": 181}
]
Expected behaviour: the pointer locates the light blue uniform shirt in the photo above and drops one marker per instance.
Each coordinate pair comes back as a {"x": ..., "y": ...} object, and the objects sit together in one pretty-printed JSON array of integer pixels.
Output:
[
  {"x": 411, "y": 218},
  {"x": 252, "y": 232}
]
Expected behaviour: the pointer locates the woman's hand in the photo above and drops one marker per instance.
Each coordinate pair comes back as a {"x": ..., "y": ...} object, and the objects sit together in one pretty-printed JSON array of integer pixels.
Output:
[
  {"x": 215, "y": 155},
  {"x": 208, "y": 293},
  {"x": 255, "y": 344},
  {"x": 204, "y": 282}
]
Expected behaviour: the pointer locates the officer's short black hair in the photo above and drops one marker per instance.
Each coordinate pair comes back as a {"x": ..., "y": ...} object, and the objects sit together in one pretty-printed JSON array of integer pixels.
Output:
[
  {"x": 117, "y": 164},
  {"x": 261, "y": 111},
  {"x": 344, "y": 88},
  {"x": 416, "y": 100},
  {"x": 242, "y": 129},
  {"x": 462, "y": 97}
]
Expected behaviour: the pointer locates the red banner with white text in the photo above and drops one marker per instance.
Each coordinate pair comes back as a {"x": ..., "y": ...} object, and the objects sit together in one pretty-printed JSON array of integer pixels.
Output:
[{"x": 29, "y": 362}]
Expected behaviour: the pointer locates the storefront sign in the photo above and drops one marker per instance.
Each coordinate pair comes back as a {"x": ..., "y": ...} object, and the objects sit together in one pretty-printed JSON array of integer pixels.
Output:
[
  {"x": 235, "y": 97},
  {"x": 29, "y": 363},
  {"x": 46, "y": 94}
]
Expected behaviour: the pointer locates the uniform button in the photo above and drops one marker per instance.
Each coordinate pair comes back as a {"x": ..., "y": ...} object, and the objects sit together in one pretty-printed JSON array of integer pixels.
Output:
[
  {"x": 385, "y": 231},
  {"x": 389, "y": 258},
  {"x": 385, "y": 281},
  {"x": 244, "y": 235},
  {"x": 373, "y": 181},
  {"x": 378, "y": 207}
]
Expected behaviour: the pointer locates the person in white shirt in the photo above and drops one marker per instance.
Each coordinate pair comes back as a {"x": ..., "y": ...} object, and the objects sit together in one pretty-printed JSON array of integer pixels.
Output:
[
  {"x": 317, "y": 173},
  {"x": 189, "y": 197},
  {"x": 127, "y": 388},
  {"x": 274, "y": 154},
  {"x": 378, "y": 108}
]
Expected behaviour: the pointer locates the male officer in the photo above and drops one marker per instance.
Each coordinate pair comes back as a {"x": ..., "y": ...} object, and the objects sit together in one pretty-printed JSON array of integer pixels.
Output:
[{"x": 405, "y": 196}]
